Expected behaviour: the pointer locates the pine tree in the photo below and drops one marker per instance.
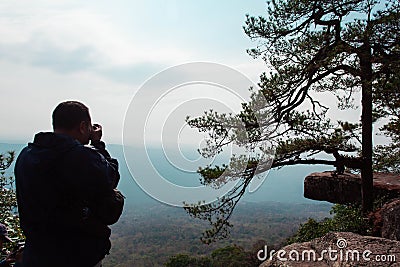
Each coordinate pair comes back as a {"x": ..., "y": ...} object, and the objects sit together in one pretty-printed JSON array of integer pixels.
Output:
[
  {"x": 311, "y": 47},
  {"x": 8, "y": 200}
]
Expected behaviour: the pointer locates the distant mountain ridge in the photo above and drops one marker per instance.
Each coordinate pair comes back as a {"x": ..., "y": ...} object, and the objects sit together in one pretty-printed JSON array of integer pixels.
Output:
[{"x": 283, "y": 185}]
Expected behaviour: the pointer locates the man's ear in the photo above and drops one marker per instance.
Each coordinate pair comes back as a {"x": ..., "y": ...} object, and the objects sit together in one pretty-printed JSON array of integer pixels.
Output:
[{"x": 83, "y": 127}]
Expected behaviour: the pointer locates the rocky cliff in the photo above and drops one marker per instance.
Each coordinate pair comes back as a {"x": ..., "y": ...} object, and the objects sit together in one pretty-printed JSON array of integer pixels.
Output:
[
  {"x": 344, "y": 248},
  {"x": 346, "y": 188},
  {"x": 338, "y": 249}
]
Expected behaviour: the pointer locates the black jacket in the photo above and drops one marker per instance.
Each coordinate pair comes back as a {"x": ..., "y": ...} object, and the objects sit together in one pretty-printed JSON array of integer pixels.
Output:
[{"x": 66, "y": 198}]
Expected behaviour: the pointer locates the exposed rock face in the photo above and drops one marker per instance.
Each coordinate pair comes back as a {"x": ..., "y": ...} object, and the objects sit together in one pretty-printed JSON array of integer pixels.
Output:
[
  {"x": 387, "y": 220},
  {"x": 338, "y": 249},
  {"x": 346, "y": 188}
]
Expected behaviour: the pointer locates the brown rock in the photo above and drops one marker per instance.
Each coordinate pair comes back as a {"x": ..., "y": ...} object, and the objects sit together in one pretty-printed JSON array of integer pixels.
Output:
[
  {"x": 339, "y": 249},
  {"x": 346, "y": 188},
  {"x": 387, "y": 220}
]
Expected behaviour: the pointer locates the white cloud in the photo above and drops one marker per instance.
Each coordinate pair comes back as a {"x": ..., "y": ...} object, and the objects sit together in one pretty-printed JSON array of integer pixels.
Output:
[
  {"x": 99, "y": 52},
  {"x": 106, "y": 43}
]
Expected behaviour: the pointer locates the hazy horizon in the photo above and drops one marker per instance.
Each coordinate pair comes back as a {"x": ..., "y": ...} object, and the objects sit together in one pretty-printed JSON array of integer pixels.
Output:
[{"x": 283, "y": 185}]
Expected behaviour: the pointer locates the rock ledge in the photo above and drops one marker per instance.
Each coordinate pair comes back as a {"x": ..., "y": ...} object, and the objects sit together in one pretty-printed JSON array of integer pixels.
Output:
[{"x": 346, "y": 188}]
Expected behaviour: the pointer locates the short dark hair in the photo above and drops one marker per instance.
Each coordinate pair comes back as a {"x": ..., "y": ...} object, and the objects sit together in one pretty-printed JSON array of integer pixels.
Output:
[{"x": 69, "y": 114}]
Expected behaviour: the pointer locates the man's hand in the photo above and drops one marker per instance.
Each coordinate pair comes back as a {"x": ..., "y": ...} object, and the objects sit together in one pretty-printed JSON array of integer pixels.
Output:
[{"x": 97, "y": 132}]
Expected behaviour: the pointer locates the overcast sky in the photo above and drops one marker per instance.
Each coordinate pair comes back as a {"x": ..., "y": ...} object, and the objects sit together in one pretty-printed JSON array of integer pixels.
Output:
[{"x": 101, "y": 52}]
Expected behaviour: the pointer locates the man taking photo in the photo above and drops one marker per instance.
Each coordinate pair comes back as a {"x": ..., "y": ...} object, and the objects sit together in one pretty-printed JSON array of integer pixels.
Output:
[{"x": 66, "y": 192}]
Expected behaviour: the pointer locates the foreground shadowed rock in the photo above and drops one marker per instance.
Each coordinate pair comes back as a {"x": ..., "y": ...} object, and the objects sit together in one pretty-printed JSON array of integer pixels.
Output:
[
  {"x": 338, "y": 249},
  {"x": 387, "y": 220}
]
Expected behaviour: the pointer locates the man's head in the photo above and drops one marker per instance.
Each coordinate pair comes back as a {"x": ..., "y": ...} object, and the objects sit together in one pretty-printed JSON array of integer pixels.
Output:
[{"x": 73, "y": 118}]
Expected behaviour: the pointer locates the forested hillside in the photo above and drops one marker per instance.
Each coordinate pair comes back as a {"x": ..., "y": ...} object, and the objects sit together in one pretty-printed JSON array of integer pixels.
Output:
[{"x": 148, "y": 235}]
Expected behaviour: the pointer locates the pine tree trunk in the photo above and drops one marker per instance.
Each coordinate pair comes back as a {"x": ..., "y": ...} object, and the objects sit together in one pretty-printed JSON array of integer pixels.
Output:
[{"x": 367, "y": 138}]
